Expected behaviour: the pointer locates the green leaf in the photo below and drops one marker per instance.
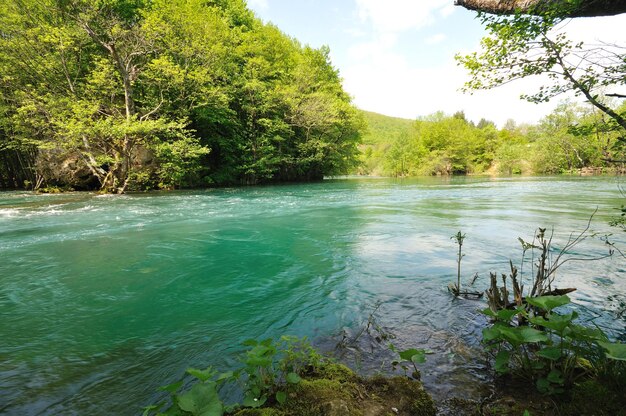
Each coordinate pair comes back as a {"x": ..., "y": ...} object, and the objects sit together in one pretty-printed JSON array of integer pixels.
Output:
[
  {"x": 522, "y": 335},
  {"x": 543, "y": 385},
  {"x": 583, "y": 333},
  {"x": 267, "y": 342},
  {"x": 408, "y": 354},
  {"x": 614, "y": 350},
  {"x": 549, "y": 302},
  {"x": 152, "y": 408},
  {"x": 505, "y": 315},
  {"x": 491, "y": 334},
  {"x": 551, "y": 353},
  {"x": 202, "y": 375},
  {"x": 250, "y": 400},
  {"x": 293, "y": 378},
  {"x": 201, "y": 400},
  {"x": 488, "y": 312},
  {"x": 172, "y": 388},
  {"x": 281, "y": 397},
  {"x": 225, "y": 376},
  {"x": 419, "y": 358},
  {"x": 555, "y": 377},
  {"x": 502, "y": 361},
  {"x": 555, "y": 322}
]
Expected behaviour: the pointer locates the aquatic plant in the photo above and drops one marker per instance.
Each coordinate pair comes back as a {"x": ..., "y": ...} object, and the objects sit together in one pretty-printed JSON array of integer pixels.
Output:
[
  {"x": 269, "y": 370},
  {"x": 456, "y": 289},
  {"x": 412, "y": 357},
  {"x": 528, "y": 338},
  {"x": 459, "y": 237}
]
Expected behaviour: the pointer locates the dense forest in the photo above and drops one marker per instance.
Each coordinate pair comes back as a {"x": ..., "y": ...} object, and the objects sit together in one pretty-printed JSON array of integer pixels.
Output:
[
  {"x": 571, "y": 138},
  {"x": 124, "y": 95}
]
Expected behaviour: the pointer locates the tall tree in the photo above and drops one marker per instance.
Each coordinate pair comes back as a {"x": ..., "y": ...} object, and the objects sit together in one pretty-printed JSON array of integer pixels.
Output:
[{"x": 132, "y": 94}]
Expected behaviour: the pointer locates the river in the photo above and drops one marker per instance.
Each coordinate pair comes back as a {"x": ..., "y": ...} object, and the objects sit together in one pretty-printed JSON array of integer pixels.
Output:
[{"x": 106, "y": 298}]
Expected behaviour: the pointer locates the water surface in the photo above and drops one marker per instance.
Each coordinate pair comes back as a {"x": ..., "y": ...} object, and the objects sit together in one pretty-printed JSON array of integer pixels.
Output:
[{"x": 105, "y": 298}]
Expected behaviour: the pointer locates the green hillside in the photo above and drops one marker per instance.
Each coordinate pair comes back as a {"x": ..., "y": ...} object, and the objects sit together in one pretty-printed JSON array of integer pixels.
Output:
[
  {"x": 382, "y": 131},
  {"x": 381, "y": 127}
]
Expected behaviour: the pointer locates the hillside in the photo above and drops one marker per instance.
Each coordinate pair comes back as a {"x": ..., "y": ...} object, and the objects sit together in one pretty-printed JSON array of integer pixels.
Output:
[
  {"x": 382, "y": 131},
  {"x": 381, "y": 127}
]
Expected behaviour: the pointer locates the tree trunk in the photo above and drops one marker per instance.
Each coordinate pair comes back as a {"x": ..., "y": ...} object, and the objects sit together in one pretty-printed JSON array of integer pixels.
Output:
[{"x": 566, "y": 8}]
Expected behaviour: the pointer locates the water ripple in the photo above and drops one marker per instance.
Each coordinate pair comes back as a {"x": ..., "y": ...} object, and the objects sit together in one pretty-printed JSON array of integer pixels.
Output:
[{"x": 105, "y": 298}]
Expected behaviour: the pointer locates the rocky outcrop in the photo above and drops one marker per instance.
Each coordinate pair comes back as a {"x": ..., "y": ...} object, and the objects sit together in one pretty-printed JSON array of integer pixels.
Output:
[{"x": 565, "y": 8}]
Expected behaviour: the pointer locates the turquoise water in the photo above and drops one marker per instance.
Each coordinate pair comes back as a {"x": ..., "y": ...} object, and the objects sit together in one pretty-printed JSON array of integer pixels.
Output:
[{"x": 105, "y": 298}]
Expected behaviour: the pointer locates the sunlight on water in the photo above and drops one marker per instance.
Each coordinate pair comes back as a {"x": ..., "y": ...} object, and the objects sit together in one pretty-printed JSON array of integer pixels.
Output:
[{"x": 105, "y": 298}]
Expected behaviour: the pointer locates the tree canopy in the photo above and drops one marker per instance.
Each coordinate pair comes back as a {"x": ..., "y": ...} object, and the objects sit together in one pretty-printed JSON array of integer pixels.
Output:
[
  {"x": 521, "y": 46},
  {"x": 132, "y": 94}
]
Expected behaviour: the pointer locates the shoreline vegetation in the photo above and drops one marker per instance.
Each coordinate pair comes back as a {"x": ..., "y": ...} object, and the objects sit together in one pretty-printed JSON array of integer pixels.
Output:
[
  {"x": 542, "y": 361},
  {"x": 294, "y": 379},
  {"x": 402, "y": 148},
  {"x": 582, "y": 172}
]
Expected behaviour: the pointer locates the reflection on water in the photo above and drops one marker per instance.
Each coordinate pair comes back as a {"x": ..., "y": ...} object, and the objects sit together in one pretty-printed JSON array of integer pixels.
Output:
[{"x": 103, "y": 299}]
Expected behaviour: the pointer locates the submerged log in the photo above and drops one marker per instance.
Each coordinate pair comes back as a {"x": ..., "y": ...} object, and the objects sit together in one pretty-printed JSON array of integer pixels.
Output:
[{"x": 566, "y": 8}]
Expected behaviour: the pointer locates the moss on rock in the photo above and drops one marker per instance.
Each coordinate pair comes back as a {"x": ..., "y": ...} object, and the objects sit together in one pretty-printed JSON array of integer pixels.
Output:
[
  {"x": 335, "y": 390},
  {"x": 267, "y": 411}
]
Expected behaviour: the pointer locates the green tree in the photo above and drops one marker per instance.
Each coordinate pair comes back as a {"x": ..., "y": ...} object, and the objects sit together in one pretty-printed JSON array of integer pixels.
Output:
[
  {"x": 521, "y": 46},
  {"x": 132, "y": 94}
]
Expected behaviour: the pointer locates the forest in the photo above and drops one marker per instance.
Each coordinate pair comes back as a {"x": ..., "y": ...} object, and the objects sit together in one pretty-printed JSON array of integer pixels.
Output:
[
  {"x": 574, "y": 138},
  {"x": 131, "y": 95},
  {"x": 121, "y": 95}
]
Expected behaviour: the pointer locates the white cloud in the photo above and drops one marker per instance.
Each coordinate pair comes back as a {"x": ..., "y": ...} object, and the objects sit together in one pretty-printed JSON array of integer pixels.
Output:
[
  {"x": 381, "y": 47},
  {"x": 435, "y": 39},
  {"x": 385, "y": 79},
  {"x": 355, "y": 33},
  {"x": 399, "y": 15},
  {"x": 448, "y": 9},
  {"x": 387, "y": 84}
]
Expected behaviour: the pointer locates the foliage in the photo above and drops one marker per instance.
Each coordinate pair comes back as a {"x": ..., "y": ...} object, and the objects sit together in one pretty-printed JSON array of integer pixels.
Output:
[
  {"x": 165, "y": 93},
  {"x": 411, "y": 356},
  {"x": 522, "y": 46},
  {"x": 529, "y": 338},
  {"x": 270, "y": 370},
  {"x": 570, "y": 139},
  {"x": 621, "y": 220}
]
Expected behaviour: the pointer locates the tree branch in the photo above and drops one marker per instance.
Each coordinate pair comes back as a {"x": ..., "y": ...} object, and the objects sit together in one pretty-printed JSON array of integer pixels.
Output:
[{"x": 565, "y": 8}]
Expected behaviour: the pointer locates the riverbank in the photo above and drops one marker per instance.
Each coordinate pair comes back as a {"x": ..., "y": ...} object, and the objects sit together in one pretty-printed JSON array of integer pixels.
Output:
[{"x": 335, "y": 390}]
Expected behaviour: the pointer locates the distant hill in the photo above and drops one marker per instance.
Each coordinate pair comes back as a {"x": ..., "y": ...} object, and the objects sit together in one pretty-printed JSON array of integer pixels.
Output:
[
  {"x": 382, "y": 132},
  {"x": 383, "y": 128}
]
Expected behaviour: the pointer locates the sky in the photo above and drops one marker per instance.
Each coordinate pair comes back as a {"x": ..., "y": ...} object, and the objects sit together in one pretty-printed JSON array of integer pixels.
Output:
[{"x": 396, "y": 57}]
